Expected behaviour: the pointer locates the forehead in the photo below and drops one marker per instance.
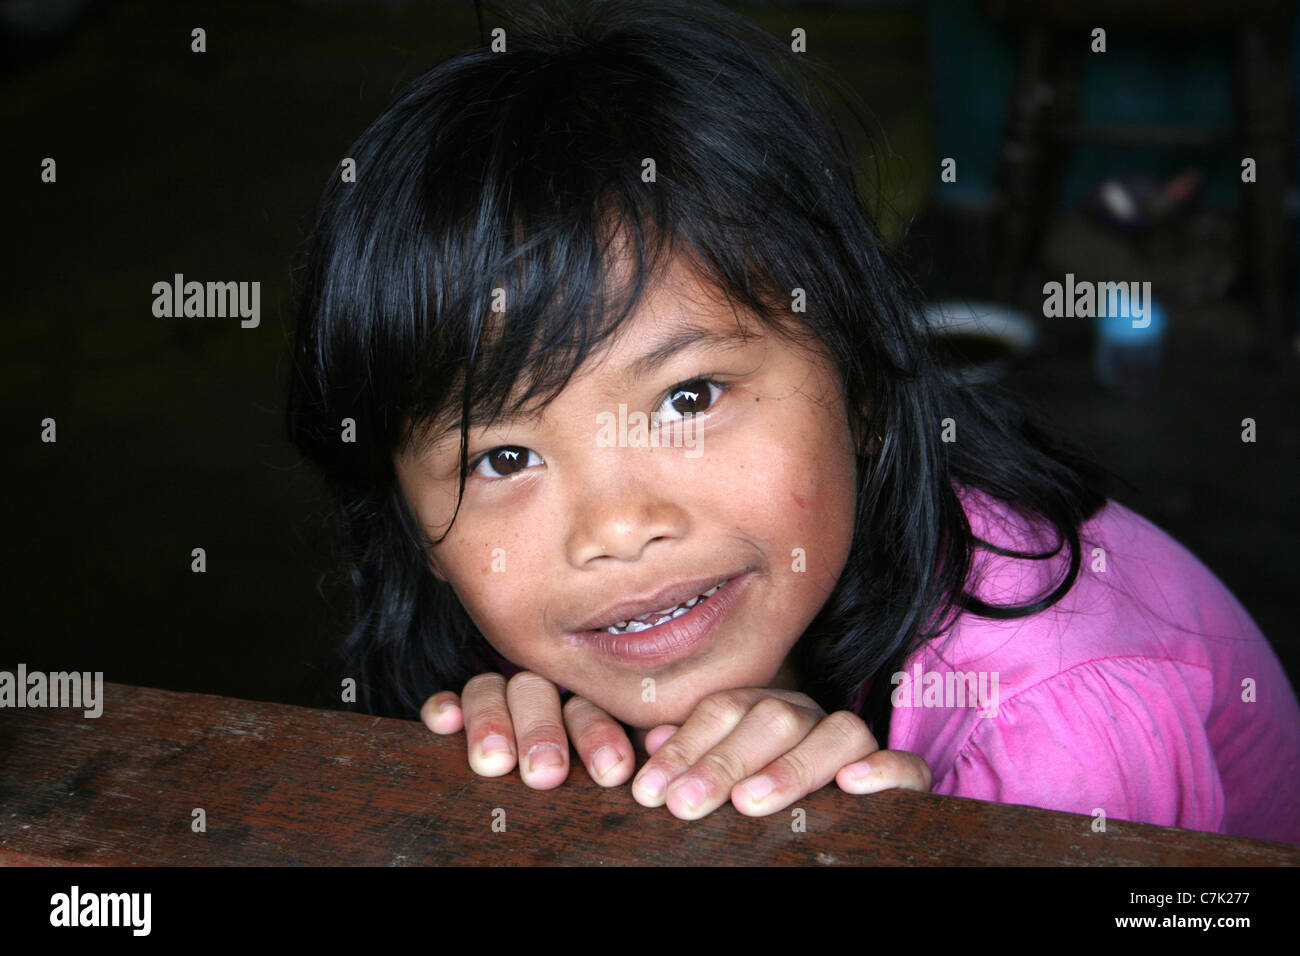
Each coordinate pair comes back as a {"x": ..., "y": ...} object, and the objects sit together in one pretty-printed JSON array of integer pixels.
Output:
[{"x": 678, "y": 312}]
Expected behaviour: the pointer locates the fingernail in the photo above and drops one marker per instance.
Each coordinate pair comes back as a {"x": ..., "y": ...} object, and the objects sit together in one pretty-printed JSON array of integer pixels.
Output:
[
  {"x": 759, "y": 787},
  {"x": 544, "y": 757},
  {"x": 652, "y": 784},
  {"x": 494, "y": 744},
  {"x": 604, "y": 760},
  {"x": 691, "y": 793},
  {"x": 445, "y": 706}
]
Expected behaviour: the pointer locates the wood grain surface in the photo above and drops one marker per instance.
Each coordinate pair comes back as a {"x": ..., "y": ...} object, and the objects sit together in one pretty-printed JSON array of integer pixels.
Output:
[{"x": 290, "y": 785}]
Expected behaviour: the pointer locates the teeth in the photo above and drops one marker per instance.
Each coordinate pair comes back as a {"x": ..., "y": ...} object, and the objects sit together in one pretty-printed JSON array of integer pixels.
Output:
[{"x": 638, "y": 624}]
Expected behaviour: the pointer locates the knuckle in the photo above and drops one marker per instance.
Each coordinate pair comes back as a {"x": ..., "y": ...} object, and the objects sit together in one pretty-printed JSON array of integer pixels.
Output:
[
  {"x": 850, "y": 729},
  {"x": 891, "y": 765},
  {"x": 721, "y": 707},
  {"x": 594, "y": 730},
  {"x": 793, "y": 771},
  {"x": 777, "y": 717},
  {"x": 804, "y": 701},
  {"x": 591, "y": 728},
  {"x": 903, "y": 768},
  {"x": 524, "y": 681},
  {"x": 670, "y": 757},
  {"x": 543, "y": 731},
  {"x": 722, "y": 765},
  {"x": 533, "y": 698},
  {"x": 482, "y": 682},
  {"x": 583, "y": 712},
  {"x": 887, "y": 766}
]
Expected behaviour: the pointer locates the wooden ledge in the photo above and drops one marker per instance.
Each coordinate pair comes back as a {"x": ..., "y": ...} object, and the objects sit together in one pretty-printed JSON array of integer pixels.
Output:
[{"x": 283, "y": 785}]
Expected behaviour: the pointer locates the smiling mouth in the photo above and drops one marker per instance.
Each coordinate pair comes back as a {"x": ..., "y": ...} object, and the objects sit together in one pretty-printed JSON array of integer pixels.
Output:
[
  {"x": 653, "y": 619},
  {"x": 670, "y": 634}
]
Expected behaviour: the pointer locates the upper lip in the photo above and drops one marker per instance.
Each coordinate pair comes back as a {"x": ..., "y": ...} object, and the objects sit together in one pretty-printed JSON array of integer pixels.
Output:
[{"x": 669, "y": 595}]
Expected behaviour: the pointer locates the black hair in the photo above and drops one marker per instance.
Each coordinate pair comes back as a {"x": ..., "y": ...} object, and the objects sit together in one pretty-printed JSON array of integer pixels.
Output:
[{"x": 518, "y": 169}]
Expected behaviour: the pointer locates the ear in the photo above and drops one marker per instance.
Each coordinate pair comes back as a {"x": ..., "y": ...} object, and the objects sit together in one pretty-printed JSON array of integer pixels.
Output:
[
  {"x": 859, "y": 434},
  {"x": 865, "y": 438},
  {"x": 435, "y": 569}
]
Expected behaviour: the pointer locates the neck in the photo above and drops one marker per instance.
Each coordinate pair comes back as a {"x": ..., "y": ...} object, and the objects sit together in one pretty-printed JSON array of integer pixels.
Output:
[{"x": 787, "y": 678}]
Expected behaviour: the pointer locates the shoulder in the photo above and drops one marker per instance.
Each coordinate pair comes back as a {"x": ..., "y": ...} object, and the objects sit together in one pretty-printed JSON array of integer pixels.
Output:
[
  {"x": 1137, "y": 592},
  {"x": 1127, "y": 621},
  {"x": 1125, "y": 696},
  {"x": 1122, "y": 735}
]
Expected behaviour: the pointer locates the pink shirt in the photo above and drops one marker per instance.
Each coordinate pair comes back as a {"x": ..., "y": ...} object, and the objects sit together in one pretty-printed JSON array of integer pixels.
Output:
[{"x": 1147, "y": 692}]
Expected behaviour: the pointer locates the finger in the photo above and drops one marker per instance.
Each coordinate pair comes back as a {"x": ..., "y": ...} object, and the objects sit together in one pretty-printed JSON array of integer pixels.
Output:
[
  {"x": 658, "y": 736},
  {"x": 534, "y": 704},
  {"x": 886, "y": 770},
  {"x": 769, "y": 728},
  {"x": 600, "y": 741},
  {"x": 772, "y": 728},
  {"x": 489, "y": 732},
  {"x": 708, "y": 725},
  {"x": 441, "y": 713},
  {"x": 840, "y": 739},
  {"x": 713, "y": 718}
]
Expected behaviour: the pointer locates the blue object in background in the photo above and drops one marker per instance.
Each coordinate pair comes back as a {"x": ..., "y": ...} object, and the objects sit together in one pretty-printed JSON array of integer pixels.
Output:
[{"x": 1130, "y": 347}]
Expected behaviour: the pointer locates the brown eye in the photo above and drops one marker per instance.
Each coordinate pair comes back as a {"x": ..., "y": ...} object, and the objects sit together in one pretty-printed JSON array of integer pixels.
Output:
[
  {"x": 693, "y": 397},
  {"x": 503, "y": 462}
]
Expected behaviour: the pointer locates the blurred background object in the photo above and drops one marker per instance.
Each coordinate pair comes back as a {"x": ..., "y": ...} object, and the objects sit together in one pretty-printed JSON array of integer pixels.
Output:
[
  {"x": 1058, "y": 41},
  {"x": 171, "y": 433},
  {"x": 41, "y": 18},
  {"x": 1042, "y": 119},
  {"x": 979, "y": 340},
  {"x": 1130, "y": 344}
]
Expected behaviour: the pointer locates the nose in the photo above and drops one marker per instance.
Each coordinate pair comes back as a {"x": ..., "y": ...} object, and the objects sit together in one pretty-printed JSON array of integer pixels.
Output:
[{"x": 620, "y": 518}]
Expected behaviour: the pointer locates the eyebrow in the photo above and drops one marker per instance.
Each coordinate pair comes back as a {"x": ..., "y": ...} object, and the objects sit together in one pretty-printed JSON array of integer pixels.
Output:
[{"x": 681, "y": 338}]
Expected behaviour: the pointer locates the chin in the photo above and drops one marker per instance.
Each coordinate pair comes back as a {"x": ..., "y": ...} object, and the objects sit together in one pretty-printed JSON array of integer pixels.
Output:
[
  {"x": 644, "y": 715},
  {"x": 675, "y": 700}
]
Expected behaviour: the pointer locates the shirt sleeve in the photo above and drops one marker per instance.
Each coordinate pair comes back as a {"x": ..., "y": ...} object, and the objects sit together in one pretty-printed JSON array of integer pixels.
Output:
[{"x": 1125, "y": 735}]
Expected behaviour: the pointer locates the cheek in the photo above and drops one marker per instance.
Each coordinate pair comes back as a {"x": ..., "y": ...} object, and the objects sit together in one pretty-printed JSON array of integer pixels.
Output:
[
  {"x": 798, "y": 501},
  {"x": 790, "y": 483},
  {"x": 431, "y": 502},
  {"x": 493, "y": 572}
]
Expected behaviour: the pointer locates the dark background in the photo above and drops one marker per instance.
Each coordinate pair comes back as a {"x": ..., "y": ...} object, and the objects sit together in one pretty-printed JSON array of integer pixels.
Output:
[{"x": 170, "y": 430}]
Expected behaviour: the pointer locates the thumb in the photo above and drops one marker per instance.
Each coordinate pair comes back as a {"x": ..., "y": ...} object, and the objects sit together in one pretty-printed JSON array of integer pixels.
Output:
[{"x": 886, "y": 770}]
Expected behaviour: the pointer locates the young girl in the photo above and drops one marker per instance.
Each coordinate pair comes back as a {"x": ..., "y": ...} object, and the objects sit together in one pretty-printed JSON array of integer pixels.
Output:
[{"x": 622, "y": 398}]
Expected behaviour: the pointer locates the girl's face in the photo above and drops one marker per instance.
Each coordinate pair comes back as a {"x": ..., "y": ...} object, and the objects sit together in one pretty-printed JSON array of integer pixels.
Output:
[{"x": 573, "y": 514}]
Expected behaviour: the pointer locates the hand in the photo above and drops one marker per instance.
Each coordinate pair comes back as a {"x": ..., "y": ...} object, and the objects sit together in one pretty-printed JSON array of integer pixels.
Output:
[
  {"x": 763, "y": 749},
  {"x": 504, "y": 718}
]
